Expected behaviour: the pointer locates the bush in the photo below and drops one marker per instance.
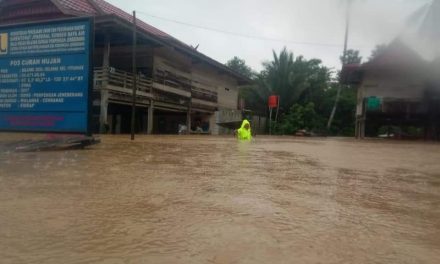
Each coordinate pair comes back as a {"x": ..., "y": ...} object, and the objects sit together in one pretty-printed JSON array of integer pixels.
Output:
[{"x": 299, "y": 117}]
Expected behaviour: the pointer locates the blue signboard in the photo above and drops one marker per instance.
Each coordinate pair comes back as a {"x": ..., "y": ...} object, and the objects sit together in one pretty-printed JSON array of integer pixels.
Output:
[{"x": 45, "y": 76}]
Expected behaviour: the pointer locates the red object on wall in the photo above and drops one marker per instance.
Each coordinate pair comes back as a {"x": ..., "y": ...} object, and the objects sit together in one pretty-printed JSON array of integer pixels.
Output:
[{"x": 273, "y": 101}]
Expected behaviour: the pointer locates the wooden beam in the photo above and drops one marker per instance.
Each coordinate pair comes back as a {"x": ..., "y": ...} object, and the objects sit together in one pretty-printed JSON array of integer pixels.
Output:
[{"x": 169, "y": 89}]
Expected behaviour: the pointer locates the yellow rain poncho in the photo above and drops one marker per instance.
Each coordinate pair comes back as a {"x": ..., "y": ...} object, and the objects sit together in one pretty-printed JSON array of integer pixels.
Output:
[{"x": 245, "y": 133}]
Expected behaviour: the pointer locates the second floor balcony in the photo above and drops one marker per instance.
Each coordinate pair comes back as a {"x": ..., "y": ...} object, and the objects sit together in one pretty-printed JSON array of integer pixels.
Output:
[{"x": 121, "y": 82}]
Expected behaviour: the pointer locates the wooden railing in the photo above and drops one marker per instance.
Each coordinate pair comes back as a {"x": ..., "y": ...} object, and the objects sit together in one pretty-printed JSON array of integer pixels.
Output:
[
  {"x": 111, "y": 77},
  {"x": 121, "y": 79},
  {"x": 171, "y": 79},
  {"x": 204, "y": 94}
]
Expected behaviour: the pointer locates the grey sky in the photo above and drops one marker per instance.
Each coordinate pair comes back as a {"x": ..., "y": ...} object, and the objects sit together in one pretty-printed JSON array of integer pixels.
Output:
[{"x": 311, "y": 21}]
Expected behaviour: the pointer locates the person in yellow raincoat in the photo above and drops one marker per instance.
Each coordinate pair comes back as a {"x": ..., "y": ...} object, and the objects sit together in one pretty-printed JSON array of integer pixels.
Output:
[{"x": 244, "y": 132}]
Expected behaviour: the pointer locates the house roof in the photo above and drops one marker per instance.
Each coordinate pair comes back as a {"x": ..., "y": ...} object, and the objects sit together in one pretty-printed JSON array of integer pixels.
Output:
[
  {"x": 396, "y": 55},
  {"x": 83, "y": 6},
  {"x": 101, "y": 7},
  {"x": 108, "y": 8}
]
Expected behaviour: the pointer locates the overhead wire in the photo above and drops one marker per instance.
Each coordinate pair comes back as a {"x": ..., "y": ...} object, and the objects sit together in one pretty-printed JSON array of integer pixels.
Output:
[{"x": 261, "y": 38}]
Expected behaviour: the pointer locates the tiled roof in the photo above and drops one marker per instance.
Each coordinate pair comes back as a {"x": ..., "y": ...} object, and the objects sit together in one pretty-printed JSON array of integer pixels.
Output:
[
  {"x": 111, "y": 9},
  {"x": 99, "y": 7},
  {"x": 89, "y": 7},
  {"x": 82, "y": 6}
]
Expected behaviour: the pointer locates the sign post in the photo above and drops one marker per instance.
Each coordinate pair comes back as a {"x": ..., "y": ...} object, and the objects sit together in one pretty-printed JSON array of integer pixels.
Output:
[
  {"x": 273, "y": 102},
  {"x": 46, "y": 76}
]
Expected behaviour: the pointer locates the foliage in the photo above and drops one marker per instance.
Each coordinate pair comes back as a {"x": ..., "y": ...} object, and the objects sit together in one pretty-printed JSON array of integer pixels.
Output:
[
  {"x": 299, "y": 117},
  {"x": 253, "y": 100},
  {"x": 307, "y": 95},
  {"x": 240, "y": 66},
  {"x": 310, "y": 113},
  {"x": 351, "y": 57},
  {"x": 290, "y": 77},
  {"x": 345, "y": 116}
]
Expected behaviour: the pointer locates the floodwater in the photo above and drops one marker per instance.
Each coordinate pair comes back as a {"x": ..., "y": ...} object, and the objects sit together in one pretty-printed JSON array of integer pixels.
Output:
[{"x": 214, "y": 200}]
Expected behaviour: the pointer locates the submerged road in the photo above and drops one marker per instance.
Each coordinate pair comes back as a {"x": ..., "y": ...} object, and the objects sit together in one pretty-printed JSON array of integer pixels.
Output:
[{"x": 214, "y": 200}]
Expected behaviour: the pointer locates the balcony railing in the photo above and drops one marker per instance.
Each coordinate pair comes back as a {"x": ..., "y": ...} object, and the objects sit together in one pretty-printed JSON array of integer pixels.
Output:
[
  {"x": 121, "y": 79},
  {"x": 203, "y": 94},
  {"x": 163, "y": 89},
  {"x": 172, "y": 80}
]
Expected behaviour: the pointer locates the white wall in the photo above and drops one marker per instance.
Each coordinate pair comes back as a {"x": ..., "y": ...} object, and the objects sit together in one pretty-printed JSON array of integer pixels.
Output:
[{"x": 226, "y": 87}]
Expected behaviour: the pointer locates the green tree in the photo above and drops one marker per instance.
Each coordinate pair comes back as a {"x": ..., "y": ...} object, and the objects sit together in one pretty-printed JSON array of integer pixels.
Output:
[
  {"x": 299, "y": 117},
  {"x": 239, "y": 65},
  {"x": 295, "y": 80},
  {"x": 290, "y": 77},
  {"x": 344, "y": 118},
  {"x": 351, "y": 57},
  {"x": 307, "y": 95}
]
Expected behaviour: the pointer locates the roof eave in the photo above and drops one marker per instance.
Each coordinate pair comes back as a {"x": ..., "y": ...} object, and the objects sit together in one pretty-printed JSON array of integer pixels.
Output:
[{"x": 242, "y": 80}]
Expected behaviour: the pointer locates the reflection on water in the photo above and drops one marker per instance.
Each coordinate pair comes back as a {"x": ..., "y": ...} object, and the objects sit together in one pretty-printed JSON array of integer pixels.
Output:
[{"x": 214, "y": 200}]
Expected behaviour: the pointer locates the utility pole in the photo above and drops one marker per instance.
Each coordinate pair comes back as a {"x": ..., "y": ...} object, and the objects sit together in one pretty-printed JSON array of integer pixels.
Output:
[
  {"x": 344, "y": 56},
  {"x": 133, "y": 103}
]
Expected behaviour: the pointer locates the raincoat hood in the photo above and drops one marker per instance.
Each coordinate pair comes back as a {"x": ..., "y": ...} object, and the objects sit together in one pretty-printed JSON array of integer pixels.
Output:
[{"x": 243, "y": 133}]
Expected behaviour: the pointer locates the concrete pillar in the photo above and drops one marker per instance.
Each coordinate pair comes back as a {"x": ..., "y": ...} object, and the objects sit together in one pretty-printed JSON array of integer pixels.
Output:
[{"x": 150, "y": 118}]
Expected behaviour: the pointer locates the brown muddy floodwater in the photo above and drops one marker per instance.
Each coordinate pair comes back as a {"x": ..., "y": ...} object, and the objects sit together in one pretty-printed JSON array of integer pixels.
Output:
[{"x": 215, "y": 200}]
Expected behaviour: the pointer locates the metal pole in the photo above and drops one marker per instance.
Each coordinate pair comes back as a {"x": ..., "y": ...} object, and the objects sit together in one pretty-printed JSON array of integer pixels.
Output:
[
  {"x": 133, "y": 105},
  {"x": 270, "y": 121}
]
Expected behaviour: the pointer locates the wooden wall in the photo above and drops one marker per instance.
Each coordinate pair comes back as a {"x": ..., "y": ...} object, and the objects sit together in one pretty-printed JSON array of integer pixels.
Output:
[{"x": 391, "y": 86}]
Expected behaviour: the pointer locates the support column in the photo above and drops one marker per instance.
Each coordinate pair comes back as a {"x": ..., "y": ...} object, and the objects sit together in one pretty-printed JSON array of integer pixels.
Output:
[
  {"x": 118, "y": 124},
  {"x": 188, "y": 119},
  {"x": 363, "y": 129},
  {"x": 104, "y": 111},
  {"x": 104, "y": 92},
  {"x": 360, "y": 127},
  {"x": 150, "y": 118},
  {"x": 106, "y": 52},
  {"x": 357, "y": 129}
]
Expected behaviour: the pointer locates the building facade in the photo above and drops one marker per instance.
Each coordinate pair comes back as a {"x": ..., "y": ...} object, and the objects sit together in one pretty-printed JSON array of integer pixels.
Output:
[
  {"x": 398, "y": 92},
  {"x": 177, "y": 86}
]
